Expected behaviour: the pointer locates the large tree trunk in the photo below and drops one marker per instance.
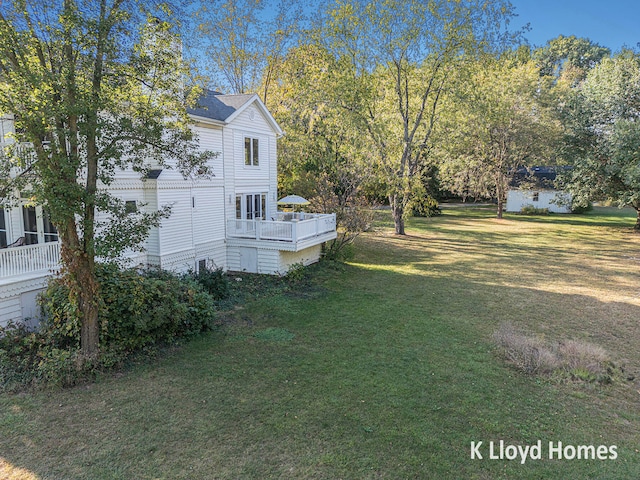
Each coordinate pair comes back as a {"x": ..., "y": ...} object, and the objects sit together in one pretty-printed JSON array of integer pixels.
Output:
[
  {"x": 397, "y": 208},
  {"x": 87, "y": 291},
  {"x": 500, "y": 195},
  {"x": 80, "y": 277}
]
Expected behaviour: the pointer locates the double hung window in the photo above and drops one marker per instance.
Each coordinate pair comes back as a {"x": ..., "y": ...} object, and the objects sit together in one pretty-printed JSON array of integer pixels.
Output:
[{"x": 251, "y": 151}]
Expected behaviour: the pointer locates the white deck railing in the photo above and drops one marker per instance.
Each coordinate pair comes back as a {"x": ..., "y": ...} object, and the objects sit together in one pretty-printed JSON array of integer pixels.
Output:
[
  {"x": 290, "y": 227},
  {"x": 42, "y": 257}
]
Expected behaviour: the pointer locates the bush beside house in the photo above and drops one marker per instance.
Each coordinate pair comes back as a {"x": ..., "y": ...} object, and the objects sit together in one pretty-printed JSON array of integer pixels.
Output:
[{"x": 139, "y": 311}]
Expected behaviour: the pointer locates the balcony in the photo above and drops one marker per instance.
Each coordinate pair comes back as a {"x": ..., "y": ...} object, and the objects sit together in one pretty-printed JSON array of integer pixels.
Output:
[
  {"x": 23, "y": 156},
  {"x": 29, "y": 260},
  {"x": 289, "y": 231}
]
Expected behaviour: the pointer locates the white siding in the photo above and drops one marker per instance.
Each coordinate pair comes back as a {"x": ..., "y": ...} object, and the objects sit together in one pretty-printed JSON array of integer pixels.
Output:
[
  {"x": 176, "y": 232},
  {"x": 555, "y": 201},
  {"x": 249, "y": 178},
  {"x": 150, "y": 195},
  {"x": 10, "y": 310},
  {"x": 210, "y": 139},
  {"x": 16, "y": 229},
  {"x": 208, "y": 214},
  {"x": 18, "y": 298},
  {"x": 196, "y": 229},
  {"x": 268, "y": 261},
  {"x": 214, "y": 253}
]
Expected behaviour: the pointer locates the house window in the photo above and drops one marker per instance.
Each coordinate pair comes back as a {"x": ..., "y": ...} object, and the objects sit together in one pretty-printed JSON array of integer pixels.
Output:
[
  {"x": 3, "y": 229},
  {"x": 50, "y": 232},
  {"x": 251, "y": 151},
  {"x": 239, "y": 207},
  {"x": 30, "y": 223},
  {"x": 536, "y": 196},
  {"x": 130, "y": 206},
  {"x": 252, "y": 206},
  {"x": 37, "y": 226}
]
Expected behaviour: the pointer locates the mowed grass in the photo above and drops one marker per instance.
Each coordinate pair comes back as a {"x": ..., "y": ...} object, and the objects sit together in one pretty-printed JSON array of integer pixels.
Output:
[{"x": 382, "y": 368}]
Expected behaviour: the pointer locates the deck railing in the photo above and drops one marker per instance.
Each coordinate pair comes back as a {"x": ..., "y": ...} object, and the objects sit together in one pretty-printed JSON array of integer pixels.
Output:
[
  {"x": 288, "y": 227},
  {"x": 23, "y": 156},
  {"x": 42, "y": 257}
]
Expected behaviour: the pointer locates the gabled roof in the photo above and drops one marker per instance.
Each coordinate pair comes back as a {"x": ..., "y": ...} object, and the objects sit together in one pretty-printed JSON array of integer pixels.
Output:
[
  {"x": 537, "y": 177},
  {"x": 225, "y": 108}
]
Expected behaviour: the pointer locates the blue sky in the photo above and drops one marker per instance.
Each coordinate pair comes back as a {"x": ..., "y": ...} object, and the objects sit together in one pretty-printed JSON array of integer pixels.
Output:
[{"x": 610, "y": 23}]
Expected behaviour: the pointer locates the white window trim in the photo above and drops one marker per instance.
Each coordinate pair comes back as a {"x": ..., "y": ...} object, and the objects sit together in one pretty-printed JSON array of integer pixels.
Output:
[
  {"x": 243, "y": 197},
  {"x": 7, "y": 225},
  {"x": 39, "y": 232},
  {"x": 254, "y": 162}
]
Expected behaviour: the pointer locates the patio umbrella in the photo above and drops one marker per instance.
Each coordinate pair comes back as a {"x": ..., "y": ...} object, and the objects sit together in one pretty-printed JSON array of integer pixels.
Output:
[{"x": 293, "y": 200}]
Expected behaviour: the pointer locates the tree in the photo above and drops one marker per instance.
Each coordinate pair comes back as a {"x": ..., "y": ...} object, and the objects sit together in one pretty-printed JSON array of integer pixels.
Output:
[
  {"x": 401, "y": 66},
  {"x": 569, "y": 58},
  {"x": 95, "y": 87},
  {"x": 504, "y": 122},
  {"x": 246, "y": 40},
  {"x": 323, "y": 157},
  {"x": 604, "y": 134}
]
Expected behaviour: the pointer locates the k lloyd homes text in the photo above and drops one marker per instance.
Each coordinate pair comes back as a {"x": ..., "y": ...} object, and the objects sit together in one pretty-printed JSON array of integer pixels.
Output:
[{"x": 540, "y": 450}]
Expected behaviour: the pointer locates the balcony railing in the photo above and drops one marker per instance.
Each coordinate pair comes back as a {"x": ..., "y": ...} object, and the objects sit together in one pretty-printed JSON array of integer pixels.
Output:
[
  {"x": 40, "y": 258},
  {"x": 290, "y": 227},
  {"x": 23, "y": 156}
]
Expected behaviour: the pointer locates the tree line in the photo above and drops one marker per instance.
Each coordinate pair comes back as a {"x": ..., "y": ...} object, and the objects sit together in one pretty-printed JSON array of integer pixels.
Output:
[{"x": 399, "y": 101}]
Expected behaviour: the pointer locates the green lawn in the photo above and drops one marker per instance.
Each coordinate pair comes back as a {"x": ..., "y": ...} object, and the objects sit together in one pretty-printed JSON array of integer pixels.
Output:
[{"x": 382, "y": 368}]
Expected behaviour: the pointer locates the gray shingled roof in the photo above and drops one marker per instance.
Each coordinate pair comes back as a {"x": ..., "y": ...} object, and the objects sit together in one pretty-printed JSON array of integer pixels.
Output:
[
  {"x": 217, "y": 106},
  {"x": 537, "y": 177}
]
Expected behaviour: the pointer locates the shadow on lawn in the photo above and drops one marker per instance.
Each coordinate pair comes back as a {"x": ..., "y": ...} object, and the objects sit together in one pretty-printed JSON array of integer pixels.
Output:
[
  {"x": 425, "y": 374},
  {"x": 406, "y": 327},
  {"x": 600, "y": 217}
]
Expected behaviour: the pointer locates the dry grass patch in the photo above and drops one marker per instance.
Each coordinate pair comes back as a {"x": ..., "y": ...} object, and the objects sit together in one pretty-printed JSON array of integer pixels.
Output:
[{"x": 572, "y": 359}]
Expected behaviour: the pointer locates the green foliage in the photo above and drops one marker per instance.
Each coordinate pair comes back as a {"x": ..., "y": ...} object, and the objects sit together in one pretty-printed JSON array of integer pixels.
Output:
[
  {"x": 569, "y": 57},
  {"x": 214, "y": 281},
  {"x": 579, "y": 209},
  {"x": 19, "y": 353},
  {"x": 365, "y": 96},
  {"x": 604, "y": 135},
  {"x": 138, "y": 311},
  {"x": 501, "y": 120},
  {"x": 296, "y": 273},
  {"x": 425, "y": 206},
  {"x": 335, "y": 251},
  {"x": 93, "y": 91},
  {"x": 531, "y": 210}
]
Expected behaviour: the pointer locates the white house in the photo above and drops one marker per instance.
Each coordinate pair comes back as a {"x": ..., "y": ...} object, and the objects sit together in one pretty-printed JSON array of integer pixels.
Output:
[
  {"x": 229, "y": 220},
  {"x": 536, "y": 187}
]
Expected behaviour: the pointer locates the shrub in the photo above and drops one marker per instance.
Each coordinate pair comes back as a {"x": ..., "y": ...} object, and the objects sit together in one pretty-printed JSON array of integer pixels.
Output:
[
  {"x": 581, "y": 208},
  {"x": 573, "y": 359},
  {"x": 137, "y": 312},
  {"x": 297, "y": 272},
  {"x": 527, "y": 354},
  {"x": 531, "y": 210},
  {"x": 214, "y": 281},
  {"x": 19, "y": 350}
]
